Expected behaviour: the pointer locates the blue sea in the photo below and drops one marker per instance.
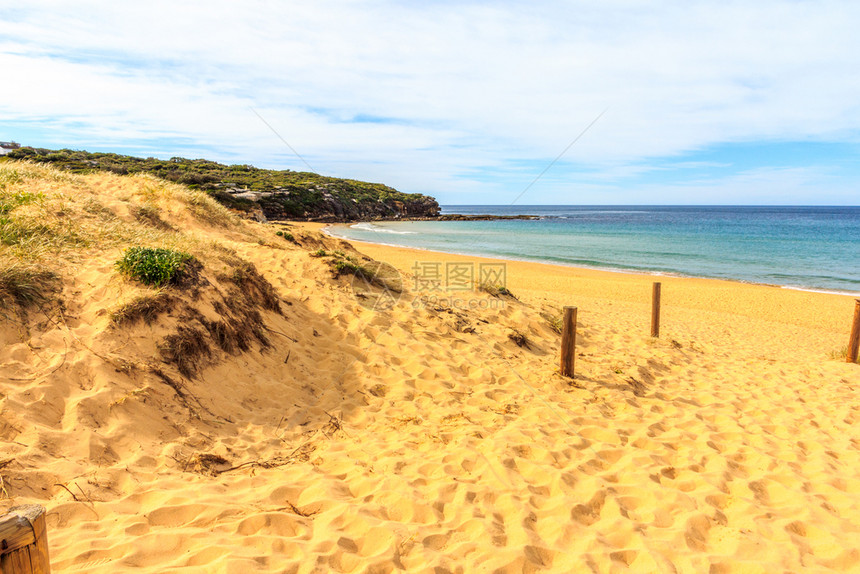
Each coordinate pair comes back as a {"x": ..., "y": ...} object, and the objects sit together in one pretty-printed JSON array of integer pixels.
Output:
[{"x": 813, "y": 248}]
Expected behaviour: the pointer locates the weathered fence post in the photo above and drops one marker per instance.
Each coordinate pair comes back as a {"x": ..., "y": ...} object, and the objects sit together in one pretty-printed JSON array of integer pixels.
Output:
[
  {"x": 854, "y": 341},
  {"x": 24, "y": 541},
  {"x": 655, "y": 310},
  {"x": 568, "y": 341}
]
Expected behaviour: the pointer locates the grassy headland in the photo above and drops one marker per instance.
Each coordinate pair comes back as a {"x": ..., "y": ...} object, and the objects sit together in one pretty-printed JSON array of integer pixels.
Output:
[{"x": 276, "y": 194}]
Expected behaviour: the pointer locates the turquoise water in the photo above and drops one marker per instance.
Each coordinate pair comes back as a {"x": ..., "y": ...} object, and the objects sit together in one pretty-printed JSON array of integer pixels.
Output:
[{"x": 800, "y": 247}]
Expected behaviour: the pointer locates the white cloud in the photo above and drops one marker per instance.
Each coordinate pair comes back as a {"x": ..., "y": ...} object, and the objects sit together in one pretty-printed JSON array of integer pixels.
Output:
[{"x": 474, "y": 86}]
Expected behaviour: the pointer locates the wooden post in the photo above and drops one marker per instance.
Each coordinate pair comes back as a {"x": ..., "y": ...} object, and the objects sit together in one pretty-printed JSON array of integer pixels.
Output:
[
  {"x": 568, "y": 342},
  {"x": 24, "y": 541},
  {"x": 854, "y": 341},
  {"x": 655, "y": 310}
]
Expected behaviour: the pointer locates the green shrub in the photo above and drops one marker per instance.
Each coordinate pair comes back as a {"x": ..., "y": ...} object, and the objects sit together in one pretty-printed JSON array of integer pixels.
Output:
[
  {"x": 153, "y": 266},
  {"x": 319, "y": 253},
  {"x": 342, "y": 267},
  {"x": 286, "y": 235}
]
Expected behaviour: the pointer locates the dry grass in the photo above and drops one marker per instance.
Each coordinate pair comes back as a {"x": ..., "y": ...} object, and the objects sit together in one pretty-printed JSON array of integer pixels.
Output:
[
  {"x": 367, "y": 271},
  {"x": 228, "y": 337},
  {"x": 255, "y": 288},
  {"x": 26, "y": 285},
  {"x": 16, "y": 172},
  {"x": 149, "y": 215},
  {"x": 207, "y": 464},
  {"x": 50, "y": 219},
  {"x": 187, "y": 349},
  {"x": 238, "y": 321},
  {"x": 519, "y": 338},
  {"x": 152, "y": 191},
  {"x": 554, "y": 321},
  {"x": 497, "y": 291},
  {"x": 45, "y": 213},
  {"x": 146, "y": 308}
]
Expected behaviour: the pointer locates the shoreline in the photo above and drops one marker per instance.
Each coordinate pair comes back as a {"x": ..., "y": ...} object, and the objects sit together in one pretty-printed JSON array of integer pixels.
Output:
[
  {"x": 814, "y": 324},
  {"x": 324, "y": 228}
]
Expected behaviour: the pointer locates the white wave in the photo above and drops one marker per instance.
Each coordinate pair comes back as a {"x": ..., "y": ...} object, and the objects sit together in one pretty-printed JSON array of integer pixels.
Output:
[
  {"x": 364, "y": 226},
  {"x": 815, "y": 290}
]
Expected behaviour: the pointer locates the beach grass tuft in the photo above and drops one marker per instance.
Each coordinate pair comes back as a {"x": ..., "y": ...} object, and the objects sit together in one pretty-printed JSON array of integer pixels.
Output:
[
  {"x": 255, "y": 288},
  {"x": 185, "y": 349},
  {"x": 519, "y": 338},
  {"x": 555, "y": 322},
  {"x": 27, "y": 285},
  {"x": 144, "y": 308},
  {"x": 495, "y": 290},
  {"x": 842, "y": 355}
]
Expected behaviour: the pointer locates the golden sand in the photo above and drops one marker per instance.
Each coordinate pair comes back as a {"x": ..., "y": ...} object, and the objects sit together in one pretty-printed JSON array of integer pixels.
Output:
[{"x": 424, "y": 439}]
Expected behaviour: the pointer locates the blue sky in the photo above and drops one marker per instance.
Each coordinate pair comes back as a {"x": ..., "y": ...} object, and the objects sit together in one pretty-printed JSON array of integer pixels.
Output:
[{"x": 705, "y": 102}]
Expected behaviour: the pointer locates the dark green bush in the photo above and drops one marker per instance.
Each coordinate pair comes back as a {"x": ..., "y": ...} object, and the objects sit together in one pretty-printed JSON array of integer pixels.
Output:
[
  {"x": 342, "y": 267},
  {"x": 153, "y": 266}
]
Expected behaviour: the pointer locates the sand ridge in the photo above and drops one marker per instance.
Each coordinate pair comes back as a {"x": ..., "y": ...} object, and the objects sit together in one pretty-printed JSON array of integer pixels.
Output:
[{"x": 424, "y": 439}]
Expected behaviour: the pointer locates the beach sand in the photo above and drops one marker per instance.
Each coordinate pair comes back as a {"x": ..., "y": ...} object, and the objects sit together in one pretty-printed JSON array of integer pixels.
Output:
[{"x": 422, "y": 438}]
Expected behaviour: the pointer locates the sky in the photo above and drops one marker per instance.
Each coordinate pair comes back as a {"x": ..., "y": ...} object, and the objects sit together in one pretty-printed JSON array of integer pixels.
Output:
[{"x": 614, "y": 102}]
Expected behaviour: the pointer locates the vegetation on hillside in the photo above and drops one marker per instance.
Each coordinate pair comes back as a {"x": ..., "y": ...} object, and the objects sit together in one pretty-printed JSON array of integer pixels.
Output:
[
  {"x": 288, "y": 193},
  {"x": 51, "y": 220},
  {"x": 55, "y": 225},
  {"x": 151, "y": 251}
]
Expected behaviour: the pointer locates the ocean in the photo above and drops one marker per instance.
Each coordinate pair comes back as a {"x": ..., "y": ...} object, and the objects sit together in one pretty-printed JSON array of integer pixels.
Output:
[{"x": 814, "y": 248}]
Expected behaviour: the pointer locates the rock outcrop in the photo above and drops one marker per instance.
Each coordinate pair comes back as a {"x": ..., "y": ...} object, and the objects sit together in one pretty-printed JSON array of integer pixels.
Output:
[{"x": 332, "y": 205}]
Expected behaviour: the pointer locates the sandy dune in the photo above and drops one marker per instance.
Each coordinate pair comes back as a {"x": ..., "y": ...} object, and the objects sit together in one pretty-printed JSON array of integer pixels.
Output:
[{"x": 423, "y": 438}]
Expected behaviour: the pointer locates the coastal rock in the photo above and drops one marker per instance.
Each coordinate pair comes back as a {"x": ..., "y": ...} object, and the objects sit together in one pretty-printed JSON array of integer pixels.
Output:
[{"x": 337, "y": 208}]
